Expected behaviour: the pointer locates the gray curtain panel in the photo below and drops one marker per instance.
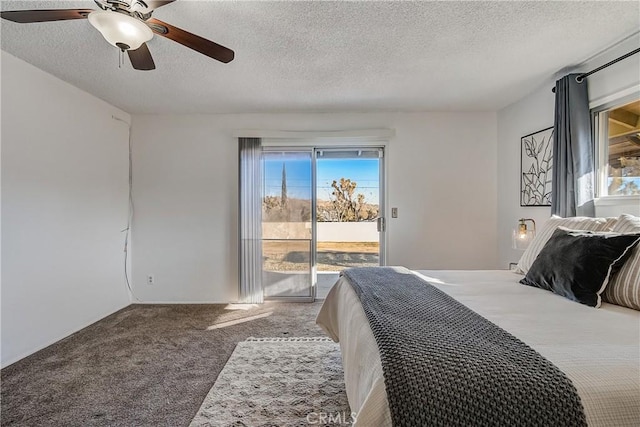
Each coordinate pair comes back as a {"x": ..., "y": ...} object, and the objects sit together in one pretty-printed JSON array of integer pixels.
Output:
[
  {"x": 250, "y": 220},
  {"x": 573, "y": 151}
]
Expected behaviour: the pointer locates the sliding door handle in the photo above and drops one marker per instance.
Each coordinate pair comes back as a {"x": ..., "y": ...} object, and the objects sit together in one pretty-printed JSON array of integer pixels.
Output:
[{"x": 381, "y": 224}]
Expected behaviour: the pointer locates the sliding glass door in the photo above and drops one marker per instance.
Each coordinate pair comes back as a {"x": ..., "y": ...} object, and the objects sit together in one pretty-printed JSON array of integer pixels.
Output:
[
  {"x": 349, "y": 205},
  {"x": 322, "y": 212},
  {"x": 287, "y": 224}
]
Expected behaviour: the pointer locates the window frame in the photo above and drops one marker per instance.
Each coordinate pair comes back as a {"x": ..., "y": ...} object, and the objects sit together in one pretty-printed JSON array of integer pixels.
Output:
[{"x": 600, "y": 128}]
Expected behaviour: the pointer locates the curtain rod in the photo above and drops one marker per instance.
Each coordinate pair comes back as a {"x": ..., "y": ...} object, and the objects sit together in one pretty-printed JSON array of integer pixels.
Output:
[{"x": 581, "y": 77}]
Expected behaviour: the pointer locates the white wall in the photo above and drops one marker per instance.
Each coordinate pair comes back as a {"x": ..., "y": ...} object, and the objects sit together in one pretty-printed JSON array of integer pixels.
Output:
[
  {"x": 618, "y": 77},
  {"x": 366, "y": 231},
  {"x": 526, "y": 116},
  {"x": 441, "y": 176},
  {"x": 348, "y": 231},
  {"x": 64, "y": 203},
  {"x": 536, "y": 112}
]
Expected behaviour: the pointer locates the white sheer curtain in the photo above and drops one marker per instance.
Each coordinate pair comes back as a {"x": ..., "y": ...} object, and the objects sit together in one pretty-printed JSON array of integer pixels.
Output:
[{"x": 250, "y": 220}]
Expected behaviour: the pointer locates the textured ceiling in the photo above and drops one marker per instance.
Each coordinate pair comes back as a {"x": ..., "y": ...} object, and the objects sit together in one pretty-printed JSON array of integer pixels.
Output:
[{"x": 330, "y": 56}]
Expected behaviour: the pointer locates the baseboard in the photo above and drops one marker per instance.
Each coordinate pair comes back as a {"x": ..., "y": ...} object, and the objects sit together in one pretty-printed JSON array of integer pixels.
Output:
[{"x": 181, "y": 302}]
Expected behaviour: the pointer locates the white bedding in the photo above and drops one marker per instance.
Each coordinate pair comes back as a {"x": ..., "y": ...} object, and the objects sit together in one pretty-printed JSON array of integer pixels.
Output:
[{"x": 598, "y": 349}]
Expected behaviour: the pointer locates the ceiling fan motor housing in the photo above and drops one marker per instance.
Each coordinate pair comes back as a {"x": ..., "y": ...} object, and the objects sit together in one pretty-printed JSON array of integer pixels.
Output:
[{"x": 136, "y": 8}]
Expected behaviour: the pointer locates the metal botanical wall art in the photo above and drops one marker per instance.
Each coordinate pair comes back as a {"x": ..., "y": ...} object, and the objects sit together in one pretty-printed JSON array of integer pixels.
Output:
[{"x": 535, "y": 168}]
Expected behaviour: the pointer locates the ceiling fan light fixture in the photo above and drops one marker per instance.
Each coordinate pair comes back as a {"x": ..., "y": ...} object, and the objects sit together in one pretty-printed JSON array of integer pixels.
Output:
[{"x": 120, "y": 30}]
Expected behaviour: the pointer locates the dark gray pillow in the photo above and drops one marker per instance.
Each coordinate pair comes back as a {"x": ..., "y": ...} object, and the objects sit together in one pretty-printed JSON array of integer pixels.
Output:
[{"x": 579, "y": 264}]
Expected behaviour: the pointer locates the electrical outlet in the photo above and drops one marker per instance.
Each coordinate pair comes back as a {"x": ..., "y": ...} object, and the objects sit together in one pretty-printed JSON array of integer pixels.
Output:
[
  {"x": 394, "y": 212},
  {"x": 150, "y": 280}
]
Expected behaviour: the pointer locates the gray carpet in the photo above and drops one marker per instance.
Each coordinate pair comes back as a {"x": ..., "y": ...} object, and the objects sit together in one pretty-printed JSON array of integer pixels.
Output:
[{"x": 144, "y": 365}]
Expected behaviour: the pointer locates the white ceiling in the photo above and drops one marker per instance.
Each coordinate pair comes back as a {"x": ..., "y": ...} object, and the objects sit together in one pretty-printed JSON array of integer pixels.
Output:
[{"x": 330, "y": 56}]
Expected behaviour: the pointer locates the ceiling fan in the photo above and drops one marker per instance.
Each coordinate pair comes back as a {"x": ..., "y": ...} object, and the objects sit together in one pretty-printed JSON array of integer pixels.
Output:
[{"x": 128, "y": 25}]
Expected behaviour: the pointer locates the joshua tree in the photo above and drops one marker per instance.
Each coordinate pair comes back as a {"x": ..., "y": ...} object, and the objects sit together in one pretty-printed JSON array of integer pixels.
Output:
[{"x": 344, "y": 207}]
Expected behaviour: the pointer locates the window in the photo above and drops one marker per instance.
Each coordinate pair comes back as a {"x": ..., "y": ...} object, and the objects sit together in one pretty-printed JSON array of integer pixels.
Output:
[{"x": 618, "y": 141}]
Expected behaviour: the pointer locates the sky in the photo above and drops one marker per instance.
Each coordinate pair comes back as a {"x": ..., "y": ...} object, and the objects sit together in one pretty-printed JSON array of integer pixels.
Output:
[{"x": 365, "y": 172}]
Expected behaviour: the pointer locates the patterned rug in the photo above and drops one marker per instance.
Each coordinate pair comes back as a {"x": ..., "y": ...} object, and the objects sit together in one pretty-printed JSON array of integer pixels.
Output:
[{"x": 278, "y": 382}]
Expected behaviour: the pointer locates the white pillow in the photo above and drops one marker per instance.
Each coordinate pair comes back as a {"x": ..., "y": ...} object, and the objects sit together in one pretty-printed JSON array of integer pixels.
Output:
[
  {"x": 624, "y": 289},
  {"x": 544, "y": 234}
]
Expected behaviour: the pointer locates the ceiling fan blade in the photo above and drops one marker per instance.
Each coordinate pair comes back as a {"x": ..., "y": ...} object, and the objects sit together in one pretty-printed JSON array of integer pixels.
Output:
[
  {"x": 141, "y": 58},
  {"x": 44, "y": 15},
  {"x": 197, "y": 43}
]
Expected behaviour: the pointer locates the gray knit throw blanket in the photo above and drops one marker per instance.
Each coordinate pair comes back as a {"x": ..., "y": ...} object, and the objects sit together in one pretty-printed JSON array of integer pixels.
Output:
[{"x": 445, "y": 365}]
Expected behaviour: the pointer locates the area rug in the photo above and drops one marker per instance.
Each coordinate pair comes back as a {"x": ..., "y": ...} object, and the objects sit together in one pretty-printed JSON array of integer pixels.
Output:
[{"x": 278, "y": 382}]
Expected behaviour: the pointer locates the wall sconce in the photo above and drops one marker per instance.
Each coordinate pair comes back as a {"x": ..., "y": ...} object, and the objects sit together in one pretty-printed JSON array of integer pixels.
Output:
[{"x": 522, "y": 236}]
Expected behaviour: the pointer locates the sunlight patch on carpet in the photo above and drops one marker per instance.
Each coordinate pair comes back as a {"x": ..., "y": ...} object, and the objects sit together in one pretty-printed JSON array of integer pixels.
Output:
[
  {"x": 240, "y": 306},
  {"x": 238, "y": 321}
]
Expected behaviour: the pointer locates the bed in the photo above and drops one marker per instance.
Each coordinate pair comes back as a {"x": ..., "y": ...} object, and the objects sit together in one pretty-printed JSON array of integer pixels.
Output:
[{"x": 597, "y": 349}]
